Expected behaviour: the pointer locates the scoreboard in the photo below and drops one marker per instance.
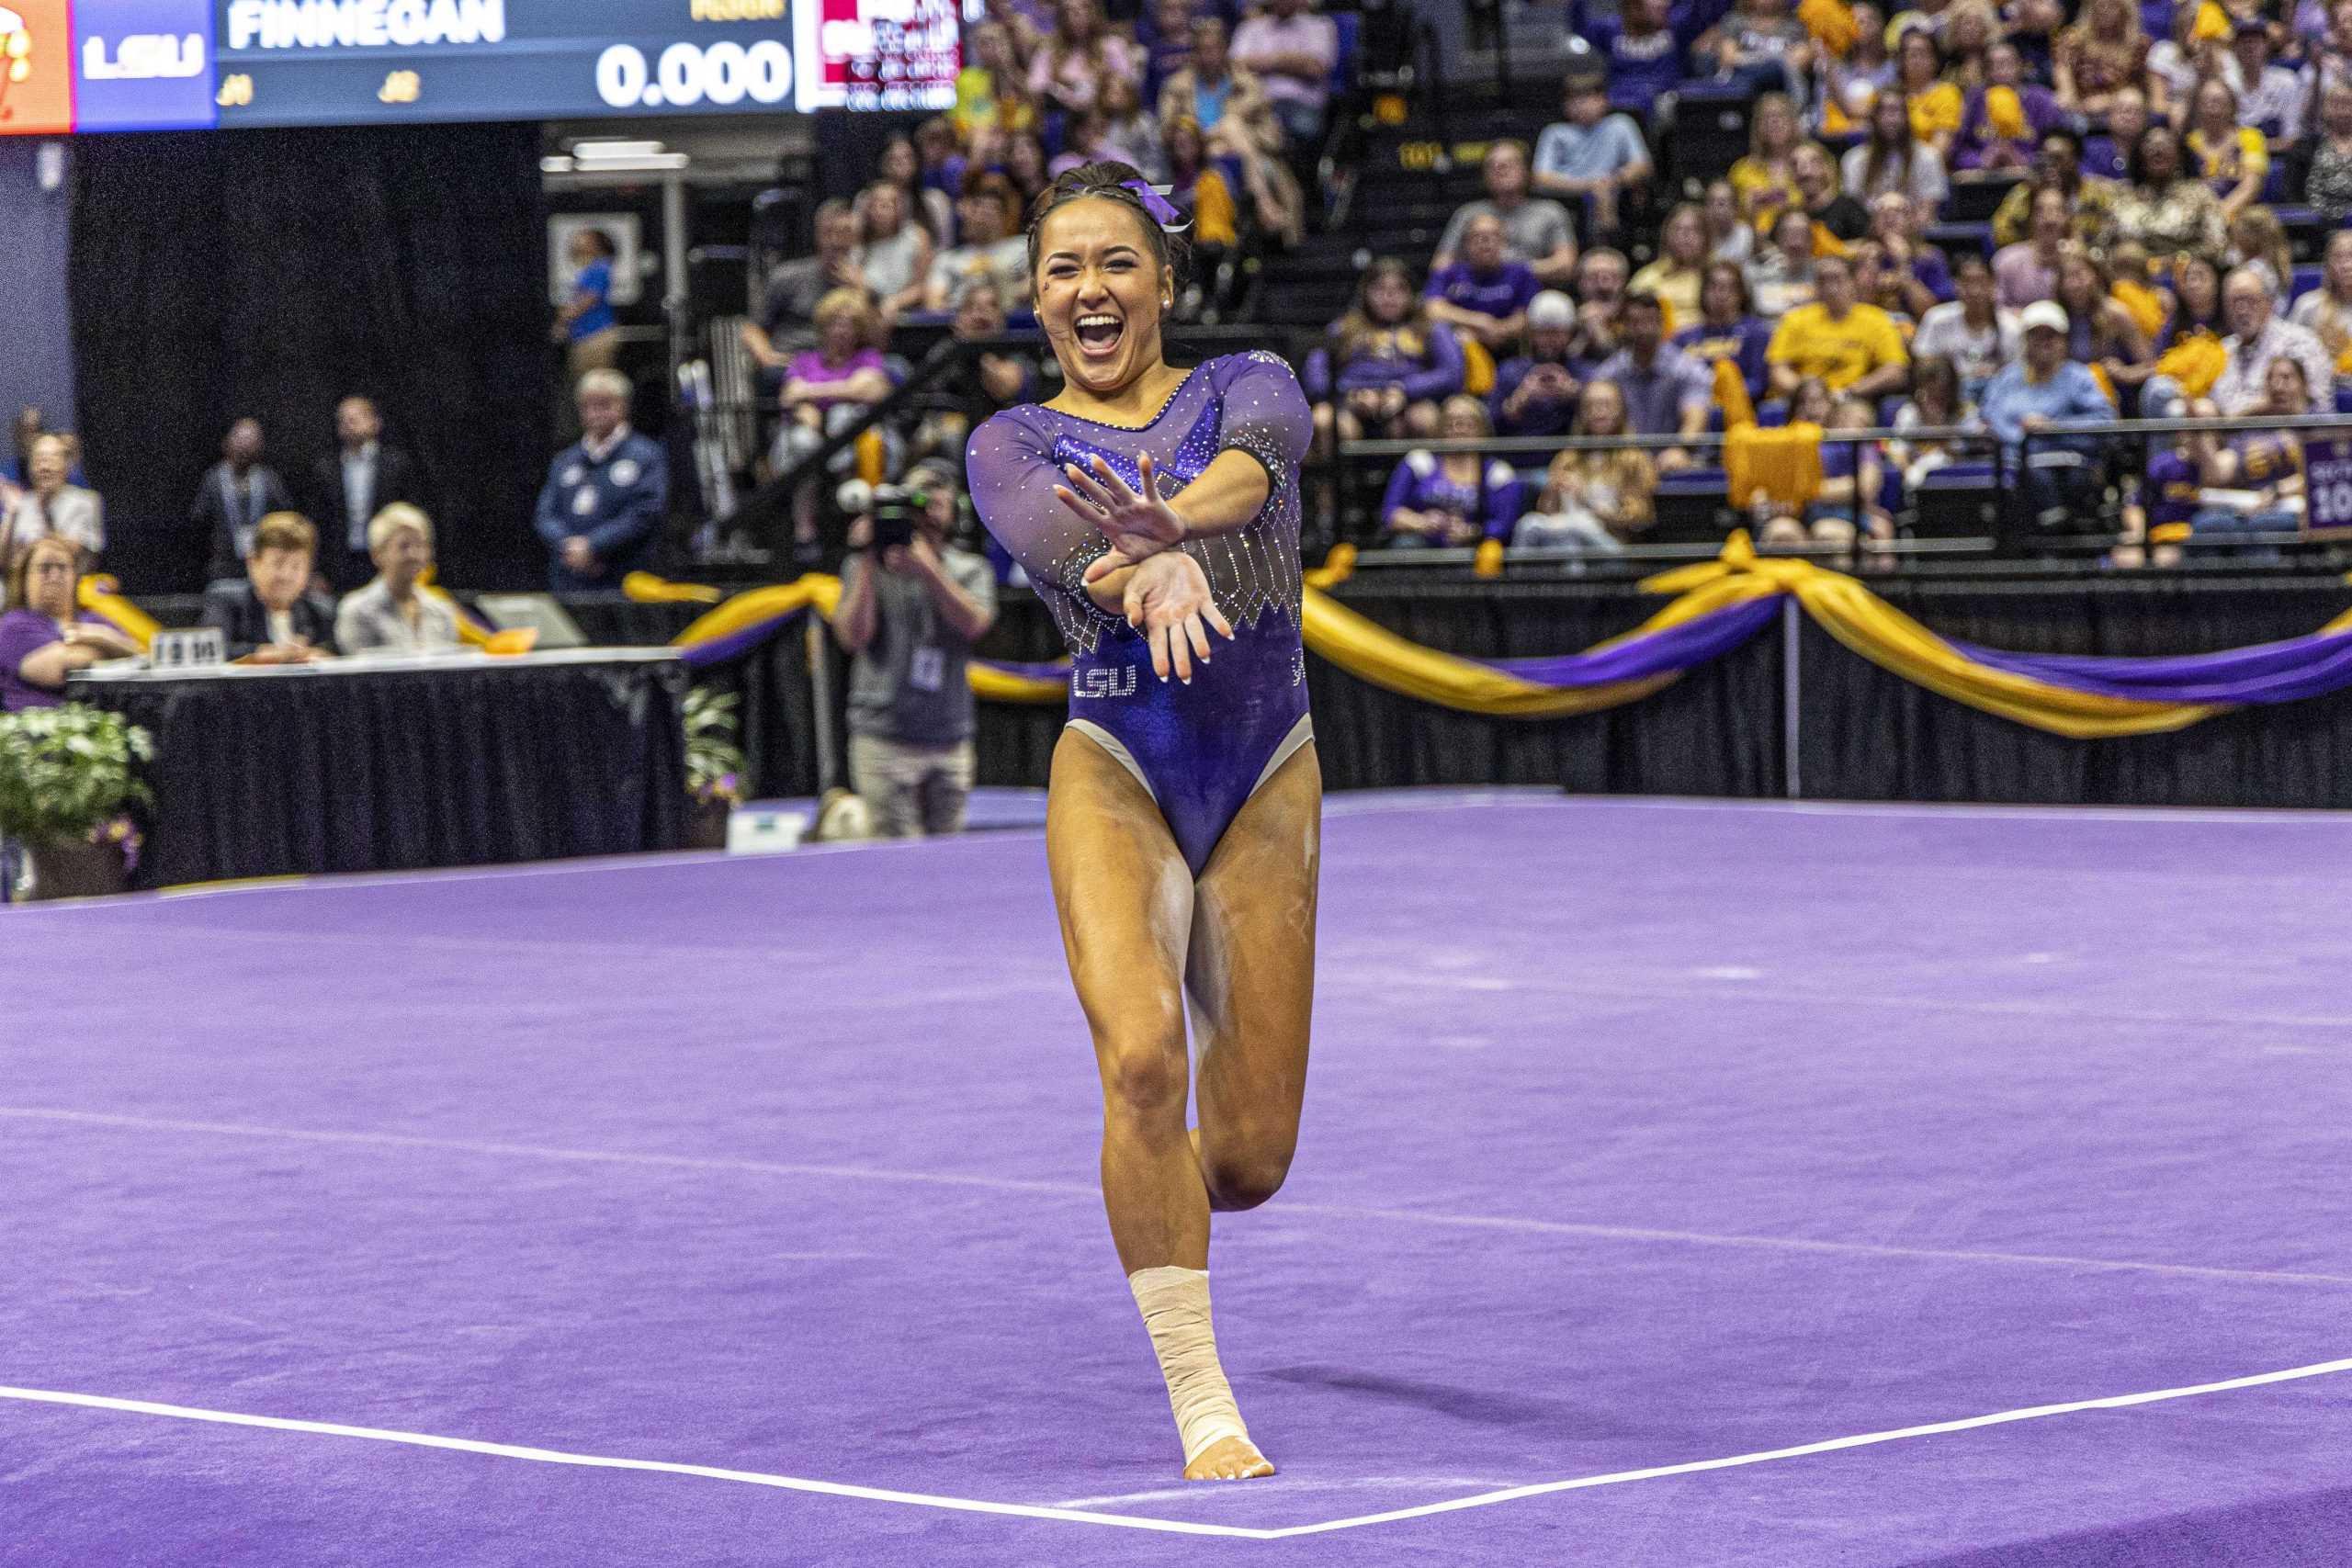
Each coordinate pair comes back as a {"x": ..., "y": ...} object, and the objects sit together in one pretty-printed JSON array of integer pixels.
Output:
[{"x": 169, "y": 64}]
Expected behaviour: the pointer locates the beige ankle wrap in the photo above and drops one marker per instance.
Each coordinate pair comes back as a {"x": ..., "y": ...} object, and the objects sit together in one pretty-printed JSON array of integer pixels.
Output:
[{"x": 1175, "y": 1306}]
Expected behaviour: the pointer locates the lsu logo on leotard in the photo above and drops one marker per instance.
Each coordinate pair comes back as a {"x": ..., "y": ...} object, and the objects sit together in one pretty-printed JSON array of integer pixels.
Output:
[{"x": 1103, "y": 682}]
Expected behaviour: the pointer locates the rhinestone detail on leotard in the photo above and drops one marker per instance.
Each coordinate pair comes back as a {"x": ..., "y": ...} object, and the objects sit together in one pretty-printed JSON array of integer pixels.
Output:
[{"x": 1249, "y": 569}]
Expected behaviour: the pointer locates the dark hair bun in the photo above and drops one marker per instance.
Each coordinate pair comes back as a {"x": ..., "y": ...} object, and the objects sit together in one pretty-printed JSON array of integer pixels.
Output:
[{"x": 1107, "y": 181}]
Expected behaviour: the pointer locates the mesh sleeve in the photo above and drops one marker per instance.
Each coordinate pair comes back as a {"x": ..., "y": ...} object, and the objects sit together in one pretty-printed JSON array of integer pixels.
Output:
[
  {"x": 1009, "y": 465},
  {"x": 1266, "y": 414},
  {"x": 1009, "y": 471}
]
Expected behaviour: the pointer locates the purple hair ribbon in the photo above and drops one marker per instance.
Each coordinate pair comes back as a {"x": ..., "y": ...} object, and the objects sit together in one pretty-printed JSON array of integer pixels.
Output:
[{"x": 1155, "y": 201}]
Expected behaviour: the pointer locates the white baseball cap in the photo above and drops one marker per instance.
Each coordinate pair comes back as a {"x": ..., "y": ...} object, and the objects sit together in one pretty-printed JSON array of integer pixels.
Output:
[
  {"x": 2043, "y": 313},
  {"x": 1551, "y": 308}
]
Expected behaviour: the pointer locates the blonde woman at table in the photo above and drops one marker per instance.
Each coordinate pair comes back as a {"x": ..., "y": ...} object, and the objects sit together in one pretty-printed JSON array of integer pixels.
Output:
[
  {"x": 394, "y": 614},
  {"x": 42, "y": 641}
]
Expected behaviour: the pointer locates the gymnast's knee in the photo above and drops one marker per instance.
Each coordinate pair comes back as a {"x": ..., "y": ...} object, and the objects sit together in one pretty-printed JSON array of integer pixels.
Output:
[
  {"x": 1243, "y": 1179},
  {"x": 1143, "y": 1077}
]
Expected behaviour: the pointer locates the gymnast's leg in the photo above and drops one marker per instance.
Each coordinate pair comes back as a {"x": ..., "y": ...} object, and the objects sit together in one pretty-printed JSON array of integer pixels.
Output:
[
  {"x": 1126, "y": 899},
  {"x": 1250, "y": 979}
]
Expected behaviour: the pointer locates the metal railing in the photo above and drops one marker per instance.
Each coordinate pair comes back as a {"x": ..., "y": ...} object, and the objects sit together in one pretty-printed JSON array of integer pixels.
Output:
[
  {"x": 2107, "y": 438},
  {"x": 767, "y": 508},
  {"x": 1640, "y": 551},
  {"x": 2118, "y": 450}
]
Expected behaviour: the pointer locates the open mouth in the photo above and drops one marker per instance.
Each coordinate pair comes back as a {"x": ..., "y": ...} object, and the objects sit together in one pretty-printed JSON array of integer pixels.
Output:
[{"x": 1099, "y": 335}]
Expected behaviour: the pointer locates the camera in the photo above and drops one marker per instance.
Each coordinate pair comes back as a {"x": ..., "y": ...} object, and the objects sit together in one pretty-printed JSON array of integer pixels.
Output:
[{"x": 896, "y": 508}]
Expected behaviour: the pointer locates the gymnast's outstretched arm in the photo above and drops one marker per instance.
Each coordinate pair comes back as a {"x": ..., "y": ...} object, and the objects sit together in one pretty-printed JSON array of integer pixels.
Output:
[
  {"x": 1230, "y": 491},
  {"x": 1267, "y": 429}
]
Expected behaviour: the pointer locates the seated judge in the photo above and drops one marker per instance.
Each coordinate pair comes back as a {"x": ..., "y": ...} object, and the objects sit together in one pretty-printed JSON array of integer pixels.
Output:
[
  {"x": 394, "y": 614},
  {"x": 360, "y": 477},
  {"x": 602, "y": 507},
  {"x": 44, "y": 638},
  {"x": 271, "y": 618}
]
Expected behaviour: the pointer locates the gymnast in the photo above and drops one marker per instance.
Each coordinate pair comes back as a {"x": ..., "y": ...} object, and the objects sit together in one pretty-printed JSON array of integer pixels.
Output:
[{"x": 1150, "y": 506}]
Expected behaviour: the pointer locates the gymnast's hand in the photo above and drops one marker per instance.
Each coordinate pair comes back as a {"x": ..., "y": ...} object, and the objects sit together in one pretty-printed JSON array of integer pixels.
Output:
[
  {"x": 1137, "y": 523},
  {"x": 1168, "y": 600}
]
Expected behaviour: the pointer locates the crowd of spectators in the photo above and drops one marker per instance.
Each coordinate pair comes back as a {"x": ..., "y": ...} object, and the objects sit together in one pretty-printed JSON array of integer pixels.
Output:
[
  {"x": 1222, "y": 104},
  {"x": 1955, "y": 215},
  {"x": 1915, "y": 180}
]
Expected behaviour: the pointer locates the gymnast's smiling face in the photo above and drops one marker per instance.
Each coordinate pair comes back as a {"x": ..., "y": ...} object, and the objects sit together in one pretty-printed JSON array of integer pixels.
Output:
[{"x": 1100, "y": 291}]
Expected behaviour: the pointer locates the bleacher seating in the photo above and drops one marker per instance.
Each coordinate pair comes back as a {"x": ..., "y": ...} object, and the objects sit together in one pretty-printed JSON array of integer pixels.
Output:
[{"x": 1408, "y": 132}]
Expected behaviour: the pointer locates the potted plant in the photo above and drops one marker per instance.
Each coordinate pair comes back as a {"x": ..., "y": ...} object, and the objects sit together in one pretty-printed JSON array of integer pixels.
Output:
[
  {"x": 68, "y": 781},
  {"x": 714, "y": 766}
]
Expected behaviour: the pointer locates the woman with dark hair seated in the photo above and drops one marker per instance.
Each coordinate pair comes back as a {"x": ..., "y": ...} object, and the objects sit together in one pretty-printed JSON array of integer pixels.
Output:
[
  {"x": 268, "y": 618},
  {"x": 1728, "y": 327},
  {"x": 1384, "y": 363},
  {"x": 43, "y": 638},
  {"x": 2165, "y": 207}
]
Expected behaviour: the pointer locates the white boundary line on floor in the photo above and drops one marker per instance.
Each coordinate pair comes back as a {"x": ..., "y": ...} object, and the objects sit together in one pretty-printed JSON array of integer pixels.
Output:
[
  {"x": 598, "y": 1462},
  {"x": 1992, "y": 810},
  {"x": 1137, "y": 1521},
  {"x": 1077, "y": 1189},
  {"x": 547, "y": 1152},
  {"x": 1833, "y": 1445}
]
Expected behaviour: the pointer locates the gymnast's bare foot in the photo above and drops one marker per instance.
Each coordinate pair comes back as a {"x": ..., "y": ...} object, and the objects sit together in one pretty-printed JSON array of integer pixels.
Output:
[{"x": 1230, "y": 1459}]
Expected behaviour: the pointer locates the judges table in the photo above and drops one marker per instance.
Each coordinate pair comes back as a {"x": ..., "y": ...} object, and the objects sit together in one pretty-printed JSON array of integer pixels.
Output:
[{"x": 396, "y": 764}]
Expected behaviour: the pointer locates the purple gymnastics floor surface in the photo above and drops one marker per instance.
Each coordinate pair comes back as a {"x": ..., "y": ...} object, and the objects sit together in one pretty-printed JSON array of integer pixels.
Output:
[{"x": 1680, "y": 1184}]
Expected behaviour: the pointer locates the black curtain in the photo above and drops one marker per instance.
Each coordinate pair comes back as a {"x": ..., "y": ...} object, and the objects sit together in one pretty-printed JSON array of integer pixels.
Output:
[
  {"x": 1870, "y": 735},
  {"x": 775, "y": 708},
  {"x": 392, "y": 769},
  {"x": 270, "y": 273},
  {"x": 1715, "y": 731}
]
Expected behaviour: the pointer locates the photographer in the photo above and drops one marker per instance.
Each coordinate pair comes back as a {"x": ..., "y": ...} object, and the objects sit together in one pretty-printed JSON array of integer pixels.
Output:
[{"x": 911, "y": 607}]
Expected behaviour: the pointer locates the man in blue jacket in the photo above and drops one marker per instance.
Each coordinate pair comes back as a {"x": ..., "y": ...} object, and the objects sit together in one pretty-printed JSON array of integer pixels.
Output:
[
  {"x": 2028, "y": 395},
  {"x": 602, "y": 509}
]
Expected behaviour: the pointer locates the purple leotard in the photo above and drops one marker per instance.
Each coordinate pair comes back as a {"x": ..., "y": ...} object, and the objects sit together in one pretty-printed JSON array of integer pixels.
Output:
[{"x": 1201, "y": 749}]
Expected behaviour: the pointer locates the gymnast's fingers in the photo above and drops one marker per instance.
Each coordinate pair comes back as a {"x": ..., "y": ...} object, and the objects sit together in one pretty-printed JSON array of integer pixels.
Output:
[
  {"x": 1120, "y": 494},
  {"x": 1216, "y": 619},
  {"x": 1181, "y": 655},
  {"x": 1086, "y": 508},
  {"x": 1151, "y": 476},
  {"x": 1132, "y": 600},
  {"x": 1084, "y": 484},
  {"x": 1197, "y": 634},
  {"x": 1157, "y": 637}
]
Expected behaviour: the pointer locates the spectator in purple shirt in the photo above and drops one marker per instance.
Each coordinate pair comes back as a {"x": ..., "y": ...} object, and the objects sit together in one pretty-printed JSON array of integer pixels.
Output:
[
  {"x": 1384, "y": 365},
  {"x": 833, "y": 380},
  {"x": 1728, "y": 328},
  {"x": 2005, "y": 120},
  {"x": 1165, "y": 30},
  {"x": 42, "y": 639},
  {"x": 1896, "y": 226},
  {"x": 2108, "y": 155},
  {"x": 1458, "y": 498},
  {"x": 1647, "y": 46},
  {"x": 1535, "y": 394},
  {"x": 1485, "y": 294},
  {"x": 826, "y": 389}
]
